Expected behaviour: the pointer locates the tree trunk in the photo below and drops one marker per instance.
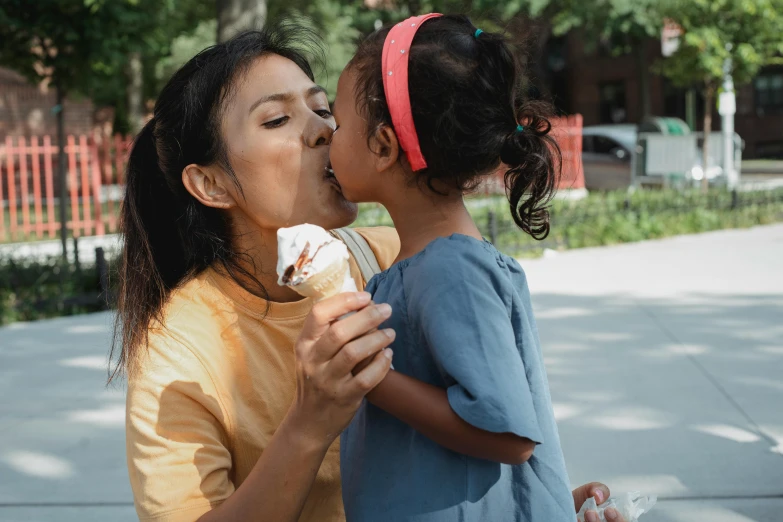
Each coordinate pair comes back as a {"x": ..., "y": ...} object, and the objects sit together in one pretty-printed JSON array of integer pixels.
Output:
[
  {"x": 643, "y": 72},
  {"x": 236, "y": 16},
  {"x": 709, "y": 97},
  {"x": 135, "y": 92},
  {"x": 61, "y": 174}
]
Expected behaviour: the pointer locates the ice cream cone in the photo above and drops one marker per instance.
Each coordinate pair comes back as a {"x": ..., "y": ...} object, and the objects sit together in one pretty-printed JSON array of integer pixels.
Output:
[
  {"x": 326, "y": 283},
  {"x": 313, "y": 262}
]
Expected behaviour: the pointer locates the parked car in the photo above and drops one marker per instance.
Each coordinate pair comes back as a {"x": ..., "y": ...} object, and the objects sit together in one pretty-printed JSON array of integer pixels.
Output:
[
  {"x": 606, "y": 156},
  {"x": 607, "y": 159}
]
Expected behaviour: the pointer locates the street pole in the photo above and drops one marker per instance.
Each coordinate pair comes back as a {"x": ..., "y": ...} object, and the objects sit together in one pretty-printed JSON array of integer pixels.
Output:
[
  {"x": 61, "y": 175},
  {"x": 727, "y": 107},
  {"x": 690, "y": 108}
]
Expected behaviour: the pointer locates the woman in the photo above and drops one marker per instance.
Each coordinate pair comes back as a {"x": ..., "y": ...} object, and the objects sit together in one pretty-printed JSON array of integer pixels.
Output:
[{"x": 238, "y": 388}]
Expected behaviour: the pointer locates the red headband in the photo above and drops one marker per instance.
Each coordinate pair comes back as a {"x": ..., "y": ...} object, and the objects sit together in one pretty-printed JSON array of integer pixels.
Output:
[{"x": 395, "y": 85}]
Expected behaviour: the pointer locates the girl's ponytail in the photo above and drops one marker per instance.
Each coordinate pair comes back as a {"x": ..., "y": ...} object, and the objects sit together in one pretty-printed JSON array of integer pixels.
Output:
[{"x": 534, "y": 162}]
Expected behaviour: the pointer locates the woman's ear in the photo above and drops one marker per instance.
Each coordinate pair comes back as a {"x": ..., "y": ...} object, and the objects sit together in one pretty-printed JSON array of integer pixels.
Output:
[
  {"x": 387, "y": 148},
  {"x": 208, "y": 186}
]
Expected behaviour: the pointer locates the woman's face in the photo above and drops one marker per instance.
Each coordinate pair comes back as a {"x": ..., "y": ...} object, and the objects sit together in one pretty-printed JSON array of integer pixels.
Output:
[{"x": 277, "y": 127}]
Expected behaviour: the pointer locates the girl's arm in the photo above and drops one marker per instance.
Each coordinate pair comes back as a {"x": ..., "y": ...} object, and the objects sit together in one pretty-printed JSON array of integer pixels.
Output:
[
  {"x": 426, "y": 409},
  {"x": 458, "y": 299}
]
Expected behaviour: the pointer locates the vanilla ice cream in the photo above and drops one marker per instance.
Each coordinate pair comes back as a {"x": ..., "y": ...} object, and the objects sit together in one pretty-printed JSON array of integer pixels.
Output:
[{"x": 313, "y": 262}]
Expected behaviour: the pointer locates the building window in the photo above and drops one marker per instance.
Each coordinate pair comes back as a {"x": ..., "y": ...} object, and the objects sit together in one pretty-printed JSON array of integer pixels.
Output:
[
  {"x": 612, "y": 103},
  {"x": 769, "y": 91},
  {"x": 769, "y": 149}
]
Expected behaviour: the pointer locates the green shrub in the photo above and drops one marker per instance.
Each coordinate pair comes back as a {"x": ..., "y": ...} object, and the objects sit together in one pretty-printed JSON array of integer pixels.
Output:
[
  {"x": 31, "y": 290},
  {"x": 610, "y": 218}
]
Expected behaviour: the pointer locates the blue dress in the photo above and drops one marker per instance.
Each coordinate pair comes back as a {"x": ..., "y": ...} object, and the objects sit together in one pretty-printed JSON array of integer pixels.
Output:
[{"x": 464, "y": 322}]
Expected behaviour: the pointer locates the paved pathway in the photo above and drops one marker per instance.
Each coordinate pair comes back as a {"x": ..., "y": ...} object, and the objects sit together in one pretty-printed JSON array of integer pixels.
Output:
[
  {"x": 666, "y": 367},
  {"x": 665, "y": 360}
]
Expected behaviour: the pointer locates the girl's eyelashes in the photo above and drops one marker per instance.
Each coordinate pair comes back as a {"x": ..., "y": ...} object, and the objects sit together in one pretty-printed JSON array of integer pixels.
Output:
[
  {"x": 279, "y": 122},
  {"x": 324, "y": 113}
]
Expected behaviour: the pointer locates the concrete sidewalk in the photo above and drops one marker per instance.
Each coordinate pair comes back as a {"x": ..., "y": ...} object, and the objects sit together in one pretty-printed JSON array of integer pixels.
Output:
[{"x": 665, "y": 361}]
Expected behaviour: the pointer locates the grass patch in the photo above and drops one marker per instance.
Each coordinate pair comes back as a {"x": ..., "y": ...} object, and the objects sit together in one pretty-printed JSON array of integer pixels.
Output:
[{"x": 611, "y": 218}]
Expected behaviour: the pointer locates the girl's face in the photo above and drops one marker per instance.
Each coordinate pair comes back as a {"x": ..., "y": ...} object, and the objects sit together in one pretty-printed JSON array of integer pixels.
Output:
[
  {"x": 277, "y": 127},
  {"x": 354, "y": 164}
]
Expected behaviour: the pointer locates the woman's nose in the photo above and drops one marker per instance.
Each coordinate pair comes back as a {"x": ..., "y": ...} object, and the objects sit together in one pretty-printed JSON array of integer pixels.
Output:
[{"x": 321, "y": 132}]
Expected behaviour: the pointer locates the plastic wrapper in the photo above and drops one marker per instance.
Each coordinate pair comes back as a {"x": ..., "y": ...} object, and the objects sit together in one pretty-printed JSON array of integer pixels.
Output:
[{"x": 630, "y": 505}]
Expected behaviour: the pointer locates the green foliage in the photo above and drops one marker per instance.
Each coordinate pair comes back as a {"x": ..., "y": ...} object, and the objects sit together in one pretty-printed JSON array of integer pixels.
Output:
[
  {"x": 335, "y": 22},
  {"x": 617, "y": 217},
  {"x": 183, "y": 48},
  {"x": 82, "y": 45},
  {"x": 31, "y": 290},
  {"x": 748, "y": 32},
  {"x": 617, "y": 24},
  {"x": 55, "y": 40}
]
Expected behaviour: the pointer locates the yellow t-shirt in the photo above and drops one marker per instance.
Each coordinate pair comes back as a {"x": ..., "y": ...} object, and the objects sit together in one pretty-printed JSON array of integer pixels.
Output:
[{"x": 215, "y": 385}]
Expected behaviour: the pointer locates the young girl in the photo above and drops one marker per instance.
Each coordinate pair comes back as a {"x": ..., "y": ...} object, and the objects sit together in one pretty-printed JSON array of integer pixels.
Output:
[{"x": 463, "y": 430}]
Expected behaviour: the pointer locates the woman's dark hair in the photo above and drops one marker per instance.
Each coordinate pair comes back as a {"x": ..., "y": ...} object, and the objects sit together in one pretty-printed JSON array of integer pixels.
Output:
[
  {"x": 467, "y": 99},
  {"x": 169, "y": 236}
]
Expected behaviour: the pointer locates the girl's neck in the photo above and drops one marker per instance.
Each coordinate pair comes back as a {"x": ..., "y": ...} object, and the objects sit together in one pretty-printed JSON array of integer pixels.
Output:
[{"x": 420, "y": 218}]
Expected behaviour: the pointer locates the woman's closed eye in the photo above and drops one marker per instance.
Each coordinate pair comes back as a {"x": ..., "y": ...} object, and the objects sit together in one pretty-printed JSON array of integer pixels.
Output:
[
  {"x": 324, "y": 113},
  {"x": 278, "y": 122}
]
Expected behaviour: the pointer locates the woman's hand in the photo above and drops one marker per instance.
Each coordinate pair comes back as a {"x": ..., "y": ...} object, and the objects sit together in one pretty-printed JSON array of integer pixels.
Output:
[
  {"x": 327, "y": 392},
  {"x": 600, "y": 492}
]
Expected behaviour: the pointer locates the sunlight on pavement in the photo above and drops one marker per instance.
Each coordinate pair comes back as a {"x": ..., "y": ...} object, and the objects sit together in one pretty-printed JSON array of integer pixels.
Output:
[
  {"x": 662, "y": 485},
  {"x": 596, "y": 396},
  {"x": 567, "y": 347},
  {"x": 728, "y": 432},
  {"x": 112, "y": 416},
  {"x": 692, "y": 511},
  {"x": 774, "y": 350},
  {"x": 760, "y": 382},
  {"x": 92, "y": 362},
  {"x": 85, "y": 329},
  {"x": 565, "y": 411},
  {"x": 632, "y": 419},
  {"x": 563, "y": 313},
  {"x": 39, "y": 465}
]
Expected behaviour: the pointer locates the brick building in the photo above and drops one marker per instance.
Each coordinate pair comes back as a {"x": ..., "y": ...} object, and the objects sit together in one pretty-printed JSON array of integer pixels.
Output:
[
  {"x": 26, "y": 109},
  {"x": 605, "y": 89}
]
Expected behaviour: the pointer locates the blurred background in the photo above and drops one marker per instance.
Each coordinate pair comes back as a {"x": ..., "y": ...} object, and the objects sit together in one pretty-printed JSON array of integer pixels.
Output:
[
  {"x": 670, "y": 117},
  {"x": 665, "y": 356}
]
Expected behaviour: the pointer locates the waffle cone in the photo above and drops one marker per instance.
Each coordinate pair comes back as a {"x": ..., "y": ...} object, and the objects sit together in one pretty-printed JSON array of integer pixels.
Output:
[{"x": 325, "y": 283}]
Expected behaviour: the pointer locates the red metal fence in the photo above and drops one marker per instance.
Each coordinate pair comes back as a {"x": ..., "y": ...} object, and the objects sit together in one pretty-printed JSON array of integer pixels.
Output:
[
  {"x": 568, "y": 133},
  {"x": 567, "y": 130},
  {"x": 30, "y": 190}
]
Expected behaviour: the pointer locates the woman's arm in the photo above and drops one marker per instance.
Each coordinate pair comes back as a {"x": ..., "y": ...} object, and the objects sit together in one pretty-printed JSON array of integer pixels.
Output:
[
  {"x": 279, "y": 483},
  {"x": 426, "y": 409},
  {"x": 327, "y": 397}
]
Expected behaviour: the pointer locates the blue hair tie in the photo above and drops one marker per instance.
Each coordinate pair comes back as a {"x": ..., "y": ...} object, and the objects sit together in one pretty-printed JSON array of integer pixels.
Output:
[
  {"x": 477, "y": 33},
  {"x": 520, "y": 128}
]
